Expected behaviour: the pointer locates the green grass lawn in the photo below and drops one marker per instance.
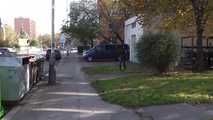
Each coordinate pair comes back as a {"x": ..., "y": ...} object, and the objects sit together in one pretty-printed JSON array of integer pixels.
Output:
[
  {"x": 100, "y": 70},
  {"x": 139, "y": 90},
  {"x": 103, "y": 69}
]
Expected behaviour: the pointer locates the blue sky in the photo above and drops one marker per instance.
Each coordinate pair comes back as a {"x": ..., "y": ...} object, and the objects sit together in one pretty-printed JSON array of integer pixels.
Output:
[{"x": 37, "y": 10}]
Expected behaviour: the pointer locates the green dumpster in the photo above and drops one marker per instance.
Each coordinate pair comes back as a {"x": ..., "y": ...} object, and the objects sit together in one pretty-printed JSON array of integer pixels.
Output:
[
  {"x": 1, "y": 107},
  {"x": 12, "y": 78},
  {"x": 1, "y": 110}
]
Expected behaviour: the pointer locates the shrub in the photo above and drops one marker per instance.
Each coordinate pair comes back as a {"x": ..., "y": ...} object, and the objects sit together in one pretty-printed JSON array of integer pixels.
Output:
[
  {"x": 34, "y": 43},
  {"x": 158, "y": 50}
]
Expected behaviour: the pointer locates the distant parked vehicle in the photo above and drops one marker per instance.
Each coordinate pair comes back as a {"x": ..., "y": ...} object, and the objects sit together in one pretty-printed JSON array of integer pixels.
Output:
[
  {"x": 105, "y": 52},
  {"x": 57, "y": 54},
  {"x": 74, "y": 50},
  {"x": 5, "y": 52}
]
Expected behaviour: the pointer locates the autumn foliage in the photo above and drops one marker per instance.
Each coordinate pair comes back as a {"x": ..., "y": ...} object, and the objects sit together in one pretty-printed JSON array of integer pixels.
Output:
[{"x": 177, "y": 15}]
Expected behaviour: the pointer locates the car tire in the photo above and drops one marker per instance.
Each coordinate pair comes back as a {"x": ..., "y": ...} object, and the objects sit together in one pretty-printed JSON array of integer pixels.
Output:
[{"x": 89, "y": 59}]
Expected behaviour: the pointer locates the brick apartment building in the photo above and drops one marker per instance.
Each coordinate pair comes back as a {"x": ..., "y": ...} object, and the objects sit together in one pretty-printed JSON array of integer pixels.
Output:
[
  {"x": 107, "y": 24},
  {"x": 27, "y": 25}
]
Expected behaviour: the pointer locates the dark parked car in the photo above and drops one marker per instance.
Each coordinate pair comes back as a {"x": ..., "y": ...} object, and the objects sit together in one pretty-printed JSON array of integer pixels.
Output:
[
  {"x": 106, "y": 52},
  {"x": 5, "y": 52},
  {"x": 57, "y": 54}
]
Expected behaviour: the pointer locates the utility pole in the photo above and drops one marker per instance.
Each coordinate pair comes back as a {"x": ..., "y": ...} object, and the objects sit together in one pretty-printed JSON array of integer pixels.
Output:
[{"x": 52, "y": 71}]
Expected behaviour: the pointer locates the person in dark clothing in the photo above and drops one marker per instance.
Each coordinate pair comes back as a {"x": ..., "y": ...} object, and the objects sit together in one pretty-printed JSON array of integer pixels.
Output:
[
  {"x": 123, "y": 58},
  {"x": 68, "y": 53}
]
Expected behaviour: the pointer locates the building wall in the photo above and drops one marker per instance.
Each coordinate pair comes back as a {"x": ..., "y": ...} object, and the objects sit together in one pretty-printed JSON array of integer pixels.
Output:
[
  {"x": 27, "y": 25},
  {"x": 133, "y": 32},
  {"x": 33, "y": 29}
]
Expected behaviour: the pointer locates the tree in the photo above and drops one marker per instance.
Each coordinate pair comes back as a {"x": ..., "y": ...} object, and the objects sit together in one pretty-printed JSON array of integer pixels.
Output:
[
  {"x": 10, "y": 37},
  {"x": 113, "y": 14},
  {"x": 177, "y": 14},
  {"x": 83, "y": 23},
  {"x": 45, "y": 40},
  {"x": 34, "y": 43},
  {"x": 57, "y": 39}
]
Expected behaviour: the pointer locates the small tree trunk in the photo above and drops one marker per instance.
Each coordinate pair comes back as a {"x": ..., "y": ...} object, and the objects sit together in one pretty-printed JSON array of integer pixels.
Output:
[
  {"x": 91, "y": 43},
  {"x": 200, "y": 63},
  {"x": 199, "y": 7}
]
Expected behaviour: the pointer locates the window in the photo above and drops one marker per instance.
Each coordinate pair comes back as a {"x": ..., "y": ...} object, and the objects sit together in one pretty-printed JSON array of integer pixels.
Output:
[
  {"x": 134, "y": 25},
  {"x": 99, "y": 48}
]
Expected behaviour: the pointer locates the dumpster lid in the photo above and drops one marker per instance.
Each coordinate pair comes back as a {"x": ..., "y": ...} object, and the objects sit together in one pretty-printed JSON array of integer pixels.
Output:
[{"x": 9, "y": 62}]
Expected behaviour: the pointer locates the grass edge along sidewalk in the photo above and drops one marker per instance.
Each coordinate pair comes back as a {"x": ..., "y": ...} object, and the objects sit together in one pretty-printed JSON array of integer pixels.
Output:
[
  {"x": 109, "y": 69},
  {"x": 136, "y": 91},
  {"x": 2, "y": 111}
]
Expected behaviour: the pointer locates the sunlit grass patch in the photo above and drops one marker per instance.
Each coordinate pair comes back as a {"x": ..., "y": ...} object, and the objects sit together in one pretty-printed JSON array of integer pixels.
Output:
[{"x": 140, "y": 90}]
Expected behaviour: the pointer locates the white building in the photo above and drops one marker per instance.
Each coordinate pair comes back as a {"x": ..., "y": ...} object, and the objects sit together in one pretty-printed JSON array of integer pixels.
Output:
[{"x": 133, "y": 32}]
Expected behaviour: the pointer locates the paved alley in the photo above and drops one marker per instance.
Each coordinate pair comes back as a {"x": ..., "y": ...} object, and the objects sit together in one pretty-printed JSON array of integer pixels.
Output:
[{"x": 71, "y": 99}]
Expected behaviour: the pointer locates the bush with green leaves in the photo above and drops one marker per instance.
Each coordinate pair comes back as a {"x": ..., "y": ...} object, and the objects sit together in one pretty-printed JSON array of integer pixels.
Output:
[
  {"x": 158, "y": 50},
  {"x": 34, "y": 43}
]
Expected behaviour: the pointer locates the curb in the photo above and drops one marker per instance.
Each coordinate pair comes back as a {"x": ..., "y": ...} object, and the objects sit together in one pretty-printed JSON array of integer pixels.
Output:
[
  {"x": 140, "y": 113},
  {"x": 11, "y": 114}
]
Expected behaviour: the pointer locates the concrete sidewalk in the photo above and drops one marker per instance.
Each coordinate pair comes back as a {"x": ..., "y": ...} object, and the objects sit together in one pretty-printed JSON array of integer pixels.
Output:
[
  {"x": 178, "y": 112},
  {"x": 71, "y": 99}
]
